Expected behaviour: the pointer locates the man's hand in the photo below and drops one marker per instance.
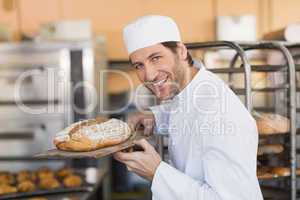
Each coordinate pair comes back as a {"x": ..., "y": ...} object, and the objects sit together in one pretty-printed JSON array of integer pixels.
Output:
[
  {"x": 141, "y": 121},
  {"x": 143, "y": 163}
]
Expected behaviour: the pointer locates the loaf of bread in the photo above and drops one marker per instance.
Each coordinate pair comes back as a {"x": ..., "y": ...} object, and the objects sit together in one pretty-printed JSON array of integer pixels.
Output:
[
  {"x": 274, "y": 172},
  {"x": 268, "y": 123},
  {"x": 26, "y": 186},
  {"x": 281, "y": 171},
  {"x": 284, "y": 171},
  {"x": 270, "y": 149},
  {"x": 92, "y": 134},
  {"x": 264, "y": 173}
]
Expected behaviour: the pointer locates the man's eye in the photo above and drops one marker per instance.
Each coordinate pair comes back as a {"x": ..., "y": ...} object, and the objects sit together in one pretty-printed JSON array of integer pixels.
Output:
[
  {"x": 156, "y": 58},
  {"x": 138, "y": 66}
]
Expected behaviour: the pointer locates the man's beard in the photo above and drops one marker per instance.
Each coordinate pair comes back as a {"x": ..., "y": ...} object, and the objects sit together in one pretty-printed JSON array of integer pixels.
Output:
[{"x": 175, "y": 85}]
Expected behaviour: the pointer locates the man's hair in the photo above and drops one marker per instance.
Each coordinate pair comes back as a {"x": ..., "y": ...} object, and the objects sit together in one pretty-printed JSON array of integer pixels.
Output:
[{"x": 173, "y": 47}]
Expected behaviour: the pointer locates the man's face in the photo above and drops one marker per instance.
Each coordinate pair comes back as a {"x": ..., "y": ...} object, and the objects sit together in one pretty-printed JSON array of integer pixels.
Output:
[{"x": 159, "y": 69}]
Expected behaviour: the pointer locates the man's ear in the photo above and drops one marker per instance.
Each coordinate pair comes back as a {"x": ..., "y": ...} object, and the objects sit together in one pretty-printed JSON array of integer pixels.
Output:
[{"x": 182, "y": 51}]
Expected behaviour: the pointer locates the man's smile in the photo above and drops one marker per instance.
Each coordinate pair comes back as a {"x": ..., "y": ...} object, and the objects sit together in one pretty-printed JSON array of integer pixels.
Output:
[{"x": 160, "y": 82}]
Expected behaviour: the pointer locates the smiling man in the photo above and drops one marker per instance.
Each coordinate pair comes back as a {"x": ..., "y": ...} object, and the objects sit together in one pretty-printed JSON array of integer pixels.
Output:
[{"x": 212, "y": 137}]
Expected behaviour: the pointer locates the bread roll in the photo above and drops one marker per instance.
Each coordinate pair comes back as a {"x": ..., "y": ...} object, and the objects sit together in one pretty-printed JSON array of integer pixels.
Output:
[
  {"x": 92, "y": 134},
  {"x": 26, "y": 186},
  {"x": 72, "y": 181},
  {"x": 64, "y": 172},
  {"x": 6, "y": 189},
  {"x": 264, "y": 173},
  {"x": 45, "y": 173},
  {"x": 268, "y": 123},
  {"x": 49, "y": 183},
  {"x": 274, "y": 172},
  {"x": 25, "y": 175},
  {"x": 270, "y": 149},
  {"x": 6, "y": 178}
]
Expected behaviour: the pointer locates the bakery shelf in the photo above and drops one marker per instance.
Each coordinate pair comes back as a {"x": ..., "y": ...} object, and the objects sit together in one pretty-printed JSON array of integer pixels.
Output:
[
  {"x": 240, "y": 91},
  {"x": 226, "y": 70},
  {"x": 288, "y": 70},
  {"x": 254, "y": 68},
  {"x": 28, "y": 159},
  {"x": 267, "y": 109},
  {"x": 274, "y": 177},
  {"x": 30, "y": 102},
  {"x": 240, "y": 53},
  {"x": 289, "y": 88},
  {"x": 267, "y": 68},
  {"x": 85, "y": 190},
  {"x": 278, "y": 178},
  {"x": 274, "y": 134}
]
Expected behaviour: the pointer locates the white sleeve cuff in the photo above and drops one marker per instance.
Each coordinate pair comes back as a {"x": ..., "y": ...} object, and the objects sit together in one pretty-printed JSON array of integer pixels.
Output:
[
  {"x": 156, "y": 185},
  {"x": 164, "y": 182}
]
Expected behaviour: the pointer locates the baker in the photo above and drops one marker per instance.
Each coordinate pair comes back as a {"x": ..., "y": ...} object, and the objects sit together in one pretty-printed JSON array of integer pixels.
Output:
[{"x": 213, "y": 139}]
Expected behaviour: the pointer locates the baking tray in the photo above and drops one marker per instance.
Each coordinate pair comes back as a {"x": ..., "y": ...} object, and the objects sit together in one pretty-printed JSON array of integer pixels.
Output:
[
  {"x": 84, "y": 188},
  {"x": 20, "y": 195},
  {"x": 56, "y": 153}
]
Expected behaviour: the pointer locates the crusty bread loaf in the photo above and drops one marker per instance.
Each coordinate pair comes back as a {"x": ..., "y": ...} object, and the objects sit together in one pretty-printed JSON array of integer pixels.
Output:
[
  {"x": 270, "y": 149},
  {"x": 274, "y": 172},
  {"x": 92, "y": 134},
  {"x": 281, "y": 171},
  {"x": 264, "y": 173},
  {"x": 268, "y": 123}
]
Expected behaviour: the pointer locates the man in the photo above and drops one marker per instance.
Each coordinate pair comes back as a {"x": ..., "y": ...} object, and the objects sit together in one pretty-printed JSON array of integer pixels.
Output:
[{"x": 212, "y": 137}]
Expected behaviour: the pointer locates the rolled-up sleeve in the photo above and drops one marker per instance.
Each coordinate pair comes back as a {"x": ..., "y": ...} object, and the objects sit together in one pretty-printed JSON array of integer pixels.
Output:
[{"x": 162, "y": 115}]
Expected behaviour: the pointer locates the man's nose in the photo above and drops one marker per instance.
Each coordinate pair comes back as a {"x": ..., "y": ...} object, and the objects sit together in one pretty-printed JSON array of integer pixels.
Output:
[{"x": 151, "y": 72}]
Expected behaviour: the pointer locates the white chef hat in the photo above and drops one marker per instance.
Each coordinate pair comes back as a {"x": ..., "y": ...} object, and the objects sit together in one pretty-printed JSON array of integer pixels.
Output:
[{"x": 150, "y": 30}]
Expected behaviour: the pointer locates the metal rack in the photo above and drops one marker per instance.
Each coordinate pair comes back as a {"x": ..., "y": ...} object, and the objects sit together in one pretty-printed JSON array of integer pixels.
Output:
[
  {"x": 290, "y": 47},
  {"x": 247, "y": 90},
  {"x": 246, "y": 70},
  {"x": 290, "y": 86}
]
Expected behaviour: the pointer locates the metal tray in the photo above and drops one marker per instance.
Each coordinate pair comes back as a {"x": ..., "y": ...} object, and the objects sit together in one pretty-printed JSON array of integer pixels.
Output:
[
  {"x": 46, "y": 192},
  {"x": 85, "y": 187}
]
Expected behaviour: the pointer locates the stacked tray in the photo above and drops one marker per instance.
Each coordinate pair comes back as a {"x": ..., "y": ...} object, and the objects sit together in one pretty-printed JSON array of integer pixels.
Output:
[{"x": 42, "y": 182}]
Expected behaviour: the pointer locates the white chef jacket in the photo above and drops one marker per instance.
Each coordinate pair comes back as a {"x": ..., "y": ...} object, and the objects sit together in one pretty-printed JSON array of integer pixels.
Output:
[{"x": 213, "y": 143}]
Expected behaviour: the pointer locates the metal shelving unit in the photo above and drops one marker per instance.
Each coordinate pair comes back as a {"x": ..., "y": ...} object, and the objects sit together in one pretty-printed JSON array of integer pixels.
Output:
[
  {"x": 295, "y": 56},
  {"x": 289, "y": 87},
  {"x": 246, "y": 70}
]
